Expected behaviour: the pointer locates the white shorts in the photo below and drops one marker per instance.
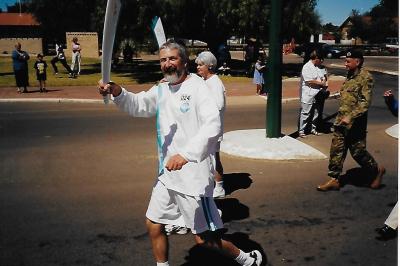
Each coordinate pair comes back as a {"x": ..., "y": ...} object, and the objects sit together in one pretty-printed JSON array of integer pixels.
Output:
[{"x": 167, "y": 206}]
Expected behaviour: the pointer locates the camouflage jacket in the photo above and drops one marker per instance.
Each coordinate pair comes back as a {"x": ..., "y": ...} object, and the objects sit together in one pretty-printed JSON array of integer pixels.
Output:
[{"x": 355, "y": 98}]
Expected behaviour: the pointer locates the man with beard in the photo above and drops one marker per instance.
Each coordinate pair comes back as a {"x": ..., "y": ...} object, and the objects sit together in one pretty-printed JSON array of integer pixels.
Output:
[{"x": 188, "y": 127}]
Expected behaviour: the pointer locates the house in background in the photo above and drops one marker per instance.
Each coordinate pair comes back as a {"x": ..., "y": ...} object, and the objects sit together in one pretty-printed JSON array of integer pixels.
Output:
[
  {"x": 346, "y": 27},
  {"x": 23, "y": 28}
]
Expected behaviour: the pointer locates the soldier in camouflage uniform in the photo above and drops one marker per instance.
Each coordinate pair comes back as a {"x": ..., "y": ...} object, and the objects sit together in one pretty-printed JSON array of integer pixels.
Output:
[{"x": 350, "y": 127}]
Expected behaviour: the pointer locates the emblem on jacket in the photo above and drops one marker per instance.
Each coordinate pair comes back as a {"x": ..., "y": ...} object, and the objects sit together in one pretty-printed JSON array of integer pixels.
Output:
[{"x": 185, "y": 103}]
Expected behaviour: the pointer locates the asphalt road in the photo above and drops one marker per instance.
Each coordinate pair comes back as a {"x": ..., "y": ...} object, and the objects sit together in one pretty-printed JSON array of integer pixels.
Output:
[
  {"x": 387, "y": 63},
  {"x": 75, "y": 181}
]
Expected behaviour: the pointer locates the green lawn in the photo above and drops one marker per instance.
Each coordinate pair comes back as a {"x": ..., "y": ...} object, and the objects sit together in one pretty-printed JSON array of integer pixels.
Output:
[
  {"x": 128, "y": 74},
  {"x": 90, "y": 73}
]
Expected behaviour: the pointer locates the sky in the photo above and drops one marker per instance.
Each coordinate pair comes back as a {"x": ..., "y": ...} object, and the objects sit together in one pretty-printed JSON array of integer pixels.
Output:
[
  {"x": 333, "y": 11},
  {"x": 4, "y": 3},
  {"x": 336, "y": 11}
]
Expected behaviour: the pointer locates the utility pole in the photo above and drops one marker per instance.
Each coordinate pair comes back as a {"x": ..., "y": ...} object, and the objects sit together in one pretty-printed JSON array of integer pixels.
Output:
[{"x": 274, "y": 72}]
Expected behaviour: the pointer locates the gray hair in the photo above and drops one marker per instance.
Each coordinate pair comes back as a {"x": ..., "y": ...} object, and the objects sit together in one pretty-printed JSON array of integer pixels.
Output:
[
  {"x": 171, "y": 44},
  {"x": 208, "y": 59}
]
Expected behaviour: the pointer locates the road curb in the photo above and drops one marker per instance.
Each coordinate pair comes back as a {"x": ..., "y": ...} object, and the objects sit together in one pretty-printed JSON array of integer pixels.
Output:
[{"x": 49, "y": 100}]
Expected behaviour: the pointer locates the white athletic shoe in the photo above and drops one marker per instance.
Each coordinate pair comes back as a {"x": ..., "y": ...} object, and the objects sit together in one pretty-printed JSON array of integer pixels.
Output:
[
  {"x": 175, "y": 229},
  {"x": 219, "y": 192},
  {"x": 256, "y": 255}
]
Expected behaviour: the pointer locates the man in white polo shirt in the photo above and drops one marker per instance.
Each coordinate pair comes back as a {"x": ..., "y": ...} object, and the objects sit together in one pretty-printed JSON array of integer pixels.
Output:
[{"x": 310, "y": 84}]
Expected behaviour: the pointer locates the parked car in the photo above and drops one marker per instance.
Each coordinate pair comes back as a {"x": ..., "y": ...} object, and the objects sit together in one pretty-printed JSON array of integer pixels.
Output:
[
  {"x": 328, "y": 51},
  {"x": 391, "y": 44}
]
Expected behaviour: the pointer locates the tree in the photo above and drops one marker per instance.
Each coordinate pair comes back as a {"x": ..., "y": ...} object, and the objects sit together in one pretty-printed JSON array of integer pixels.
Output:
[
  {"x": 384, "y": 21},
  {"x": 300, "y": 20},
  {"x": 377, "y": 24},
  {"x": 58, "y": 17},
  {"x": 207, "y": 20},
  {"x": 361, "y": 27}
]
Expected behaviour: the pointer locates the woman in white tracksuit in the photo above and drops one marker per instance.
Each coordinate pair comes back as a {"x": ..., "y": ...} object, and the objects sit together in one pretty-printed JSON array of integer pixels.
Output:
[{"x": 206, "y": 67}]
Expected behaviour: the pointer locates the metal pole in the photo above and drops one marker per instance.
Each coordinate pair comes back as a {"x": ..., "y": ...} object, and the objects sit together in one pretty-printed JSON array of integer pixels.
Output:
[{"x": 274, "y": 72}]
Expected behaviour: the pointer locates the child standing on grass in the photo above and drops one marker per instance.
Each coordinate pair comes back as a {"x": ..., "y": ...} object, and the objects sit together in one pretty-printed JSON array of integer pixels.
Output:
[{"x": 40, "y": 66}]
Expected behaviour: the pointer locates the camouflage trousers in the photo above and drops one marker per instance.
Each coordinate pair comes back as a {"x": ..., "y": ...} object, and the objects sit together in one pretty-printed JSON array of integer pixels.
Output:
[{"x": 349, "y": 139}]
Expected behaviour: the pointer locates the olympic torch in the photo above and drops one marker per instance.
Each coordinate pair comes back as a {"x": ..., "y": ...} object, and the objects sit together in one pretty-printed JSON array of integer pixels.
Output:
[{"x": 109, "y": 30}]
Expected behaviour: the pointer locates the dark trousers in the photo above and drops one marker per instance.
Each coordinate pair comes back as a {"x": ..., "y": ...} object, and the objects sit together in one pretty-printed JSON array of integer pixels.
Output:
[
  {"x": 63, "y": 62},
  {"x": 320, "y": 99},
  {"x": 353, "y": 139},
  {"x": 21, "y": 78}
]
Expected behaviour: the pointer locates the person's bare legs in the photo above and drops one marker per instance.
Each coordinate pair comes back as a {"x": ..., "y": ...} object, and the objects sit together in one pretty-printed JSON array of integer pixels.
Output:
[
  {"x": 214, "y": 241},
  {"x": 211, "y": 241},
  {"x": 159, "y": 240},
  {"x": 219, "y": 191},
  {"x": 218, "y": 167},
  {"x": 258, "y": 89}
]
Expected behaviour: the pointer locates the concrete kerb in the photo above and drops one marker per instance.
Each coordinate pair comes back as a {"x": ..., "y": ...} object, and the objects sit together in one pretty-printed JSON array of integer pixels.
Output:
[{"x": 49, "y": 100}]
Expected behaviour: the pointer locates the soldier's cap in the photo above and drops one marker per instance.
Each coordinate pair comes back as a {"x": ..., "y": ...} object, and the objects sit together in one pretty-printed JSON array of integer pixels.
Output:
[{"x": 354, "y": 54}]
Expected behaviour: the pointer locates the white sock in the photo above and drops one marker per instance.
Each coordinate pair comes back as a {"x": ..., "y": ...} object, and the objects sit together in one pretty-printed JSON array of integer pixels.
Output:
[
  {"x": 163, "y": 263},
  {"x": 244, "y": 259},
  {"x": 219, "y": 184}
]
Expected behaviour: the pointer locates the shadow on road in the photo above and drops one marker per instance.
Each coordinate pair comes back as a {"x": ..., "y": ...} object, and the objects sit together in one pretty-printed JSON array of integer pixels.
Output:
[
  {"x": 232, "y": 209},
  {"x": 235, "y": 181},
  {"x": 358, "y": 177},
  {"x": 200, "y": 256}
]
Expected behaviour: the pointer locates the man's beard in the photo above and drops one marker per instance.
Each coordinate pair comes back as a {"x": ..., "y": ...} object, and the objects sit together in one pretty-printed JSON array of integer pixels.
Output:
[{"x": 173, "y": 75}]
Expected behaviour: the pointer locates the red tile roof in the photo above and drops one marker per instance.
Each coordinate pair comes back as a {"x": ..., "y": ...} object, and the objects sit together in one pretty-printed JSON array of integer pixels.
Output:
[{"x": 15, "y": 19}]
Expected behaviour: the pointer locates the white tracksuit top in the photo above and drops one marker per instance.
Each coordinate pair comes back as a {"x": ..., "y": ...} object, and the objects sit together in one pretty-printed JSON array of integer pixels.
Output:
[
  {"x": 218, "y": 93},
  {"x": 188, "y": 123}
]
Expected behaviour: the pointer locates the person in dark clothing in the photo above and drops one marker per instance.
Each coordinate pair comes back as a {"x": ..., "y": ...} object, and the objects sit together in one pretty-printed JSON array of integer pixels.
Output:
[
  {"x": 60, "y": 56},
  {"x": 20, "y": 65},
  {"x": 41, "y": 66}
]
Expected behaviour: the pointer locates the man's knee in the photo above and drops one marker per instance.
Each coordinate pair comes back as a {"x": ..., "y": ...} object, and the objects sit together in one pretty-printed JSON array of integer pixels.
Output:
[{"x": 154, "y": 228}]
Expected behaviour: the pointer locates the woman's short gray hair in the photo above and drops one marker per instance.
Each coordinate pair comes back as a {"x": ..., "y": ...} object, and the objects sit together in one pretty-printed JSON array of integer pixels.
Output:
[
  {"x": 172, "y": 44},
  {"x": 208, "y": 59}
]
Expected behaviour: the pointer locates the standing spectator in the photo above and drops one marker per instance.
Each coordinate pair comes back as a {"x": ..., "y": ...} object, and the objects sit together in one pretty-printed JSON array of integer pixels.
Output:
[
  {"x": 60, "y": 56},
  {"x": 389, "y": 230},
  {"x": 76, "y": 57},
  {"x": 41, "y": 66},
  {"x": 20, "y": 65},
  {"x": 248, "y": 56},
  {"x": 311, "y": 83},
  {"x": 322, "y": 95},
  {"x": 188, "y": 126},
  {"x": 206, "y": 66},
  {"x": 223, "y": 55},
  {"x": 350, "y": 126},
  {"x": 258, "y": 77}
]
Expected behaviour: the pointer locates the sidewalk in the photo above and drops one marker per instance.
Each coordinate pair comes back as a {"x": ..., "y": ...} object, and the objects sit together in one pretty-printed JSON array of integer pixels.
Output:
[{"x": 290, "y": 91}]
